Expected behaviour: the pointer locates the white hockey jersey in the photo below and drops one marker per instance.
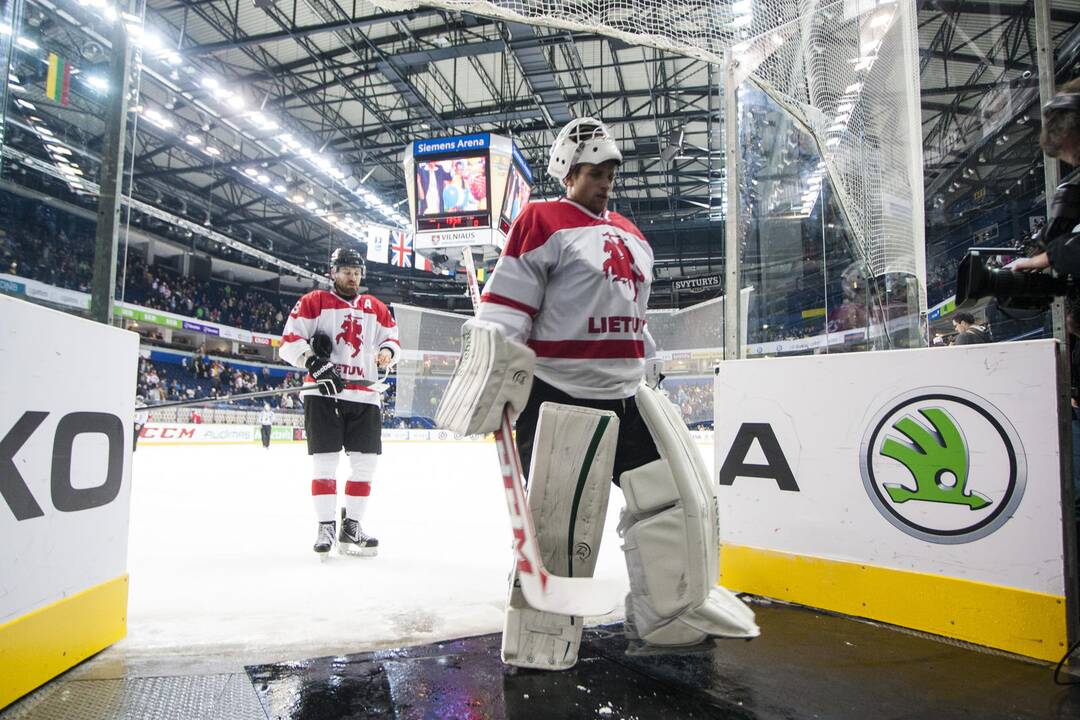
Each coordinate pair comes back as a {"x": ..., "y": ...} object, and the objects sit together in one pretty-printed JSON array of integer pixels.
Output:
[
  {"x": 358, "y": 328},
  {"x": 574, "y": 286},
  {"x": 266, "y": 417}
]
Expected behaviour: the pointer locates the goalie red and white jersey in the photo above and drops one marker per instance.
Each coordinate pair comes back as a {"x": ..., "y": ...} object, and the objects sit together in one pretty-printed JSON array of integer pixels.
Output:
[
  {"x": 358, "y": 328},
  {"x": 574, "y": 286}
]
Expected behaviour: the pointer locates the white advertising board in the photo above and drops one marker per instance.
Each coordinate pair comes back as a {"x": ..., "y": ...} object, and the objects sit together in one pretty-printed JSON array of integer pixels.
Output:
[
  {"x": 156, "y": 433},
  {"x": 66, "y": 410},
  {"x": 938, "y": 461}
]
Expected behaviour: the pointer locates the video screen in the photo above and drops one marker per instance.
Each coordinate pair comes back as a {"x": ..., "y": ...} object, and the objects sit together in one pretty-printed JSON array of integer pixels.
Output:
[
  {"x": 517, "y": 194},
  {"x": 451, "y": 186}
]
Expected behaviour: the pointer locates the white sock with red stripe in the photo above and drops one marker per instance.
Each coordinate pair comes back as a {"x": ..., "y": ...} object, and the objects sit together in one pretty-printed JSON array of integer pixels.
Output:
[
  {"x": 324, "y": 486},
  {"x": 358, "y": 488}
]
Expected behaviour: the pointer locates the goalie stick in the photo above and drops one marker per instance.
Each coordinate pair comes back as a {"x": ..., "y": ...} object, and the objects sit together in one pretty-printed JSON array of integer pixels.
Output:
[
  {"x": 542, "y": 590},
  {"x": 377, "y": 386}
]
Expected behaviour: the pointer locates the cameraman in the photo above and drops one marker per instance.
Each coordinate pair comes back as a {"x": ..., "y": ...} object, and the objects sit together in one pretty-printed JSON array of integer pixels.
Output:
[{"x": 1060, "y": 139}]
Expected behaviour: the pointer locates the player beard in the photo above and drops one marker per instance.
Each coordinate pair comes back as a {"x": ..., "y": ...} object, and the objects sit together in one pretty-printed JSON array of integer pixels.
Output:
[{"x": 345, "y": 291}]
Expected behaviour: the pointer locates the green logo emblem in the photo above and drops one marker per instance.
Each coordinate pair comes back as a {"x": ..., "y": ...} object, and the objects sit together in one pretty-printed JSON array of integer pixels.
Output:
[
  {"x": 943, "y": 465},
  {"x": 937, "y": 460}
]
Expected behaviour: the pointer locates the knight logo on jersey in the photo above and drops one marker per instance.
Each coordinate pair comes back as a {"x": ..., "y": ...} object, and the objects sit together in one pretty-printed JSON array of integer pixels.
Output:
[
  {"x": 352, "y": 332},
  {"x": 620, "y": 266}
]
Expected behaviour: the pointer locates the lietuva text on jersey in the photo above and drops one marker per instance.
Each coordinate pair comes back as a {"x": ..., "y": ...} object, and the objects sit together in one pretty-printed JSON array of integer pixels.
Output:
[
  {"x": 574, "y": 286},
  {"x": 358, "y": 328}
]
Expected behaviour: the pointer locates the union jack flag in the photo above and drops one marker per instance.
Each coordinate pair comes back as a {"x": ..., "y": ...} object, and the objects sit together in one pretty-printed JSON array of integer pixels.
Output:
[{"x": 401, "y": 249}]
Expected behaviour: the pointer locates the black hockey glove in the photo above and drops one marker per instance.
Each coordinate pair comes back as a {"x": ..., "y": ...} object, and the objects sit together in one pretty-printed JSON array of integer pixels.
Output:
[{"x": 324, "y": 372}]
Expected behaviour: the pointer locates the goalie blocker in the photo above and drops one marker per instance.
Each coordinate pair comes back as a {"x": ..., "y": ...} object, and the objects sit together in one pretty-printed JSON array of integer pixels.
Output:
[{"x": 493, "y": 372}]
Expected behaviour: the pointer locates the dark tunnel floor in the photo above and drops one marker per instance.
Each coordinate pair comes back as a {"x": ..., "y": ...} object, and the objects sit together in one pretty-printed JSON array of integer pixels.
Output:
[{"x": 805, "y": 665}]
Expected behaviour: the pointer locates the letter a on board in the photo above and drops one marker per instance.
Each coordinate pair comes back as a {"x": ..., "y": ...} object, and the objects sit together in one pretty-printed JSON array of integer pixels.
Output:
[{"x": 775, "y": 467}]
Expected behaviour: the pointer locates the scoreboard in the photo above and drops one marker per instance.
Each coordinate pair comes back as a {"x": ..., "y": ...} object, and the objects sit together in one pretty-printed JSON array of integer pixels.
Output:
[{"x": 464, "y": 191}]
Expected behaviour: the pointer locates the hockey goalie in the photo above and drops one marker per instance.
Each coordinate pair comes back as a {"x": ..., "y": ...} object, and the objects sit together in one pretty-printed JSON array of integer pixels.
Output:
[{"x": 560, "y": 339}]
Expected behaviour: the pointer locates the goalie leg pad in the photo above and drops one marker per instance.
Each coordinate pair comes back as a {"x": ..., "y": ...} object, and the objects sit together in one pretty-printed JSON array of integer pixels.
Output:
[
  {"x": 670, "y": 531},
  {"x": 492, "y": 372},
  {"x": 569, "y": 486}
]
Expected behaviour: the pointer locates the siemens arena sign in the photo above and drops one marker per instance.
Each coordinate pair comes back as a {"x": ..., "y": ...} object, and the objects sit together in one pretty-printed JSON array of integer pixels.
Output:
[{"x": 451, "y": 145}]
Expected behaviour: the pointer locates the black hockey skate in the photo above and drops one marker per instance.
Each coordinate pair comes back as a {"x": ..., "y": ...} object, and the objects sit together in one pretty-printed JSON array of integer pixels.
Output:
[
  {"x": 325, "y": 539},
  {"x": 353, "y": 541}
]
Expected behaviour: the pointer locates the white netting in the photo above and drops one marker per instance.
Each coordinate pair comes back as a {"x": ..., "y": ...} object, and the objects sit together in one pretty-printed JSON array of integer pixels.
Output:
[
  {"x": 430, "y": 343},
  {"x": 848, "y": 69},
  {"x": 848, "y": 72}
]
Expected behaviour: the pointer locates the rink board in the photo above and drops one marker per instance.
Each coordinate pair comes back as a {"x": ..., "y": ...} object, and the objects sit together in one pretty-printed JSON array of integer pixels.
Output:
[
  {"x": 66, "y": 410},
  {"x": 916, "y": 487}
]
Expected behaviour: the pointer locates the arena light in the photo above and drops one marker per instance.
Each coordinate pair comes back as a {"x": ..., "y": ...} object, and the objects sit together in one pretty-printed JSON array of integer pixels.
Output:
[
  {"x": 97, "y": 82},
  {"x": 25, "y": 42},
  {"x": 211, "y": 150}
]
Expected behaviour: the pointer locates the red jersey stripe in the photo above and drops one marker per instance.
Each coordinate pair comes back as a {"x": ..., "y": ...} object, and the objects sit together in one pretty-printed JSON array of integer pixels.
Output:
[
  {"x": 308, "y": 380},
  {"x": 291, "y": 337},
  {"x": 580, "y": 349},
  {"x": 508, "y": 302}
]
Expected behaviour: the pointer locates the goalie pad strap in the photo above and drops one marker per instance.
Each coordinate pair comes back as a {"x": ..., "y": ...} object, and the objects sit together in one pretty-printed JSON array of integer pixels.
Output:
[
  {"x": 569, "y": 486},
  {"x": 492, "y": 372},
  {"x": 671, "y": 539}
]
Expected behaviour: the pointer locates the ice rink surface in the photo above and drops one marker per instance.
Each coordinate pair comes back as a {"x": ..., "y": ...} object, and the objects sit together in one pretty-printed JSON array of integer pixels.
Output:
[{"x": 221, "y": 563}]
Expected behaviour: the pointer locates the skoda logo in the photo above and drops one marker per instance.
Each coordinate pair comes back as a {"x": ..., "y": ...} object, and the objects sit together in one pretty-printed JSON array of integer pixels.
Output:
[{"x": 943, "y": 465}]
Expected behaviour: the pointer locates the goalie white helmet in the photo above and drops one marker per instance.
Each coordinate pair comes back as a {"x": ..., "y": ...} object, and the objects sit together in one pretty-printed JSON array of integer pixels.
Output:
[{"x": 585, "y": 140}]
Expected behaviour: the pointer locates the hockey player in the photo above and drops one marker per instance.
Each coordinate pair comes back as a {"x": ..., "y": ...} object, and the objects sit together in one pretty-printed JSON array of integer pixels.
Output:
[
  {"x": 141, "y": 417},
  {"x": 342, "y": 335},
  {"x": 266, "y": 422},
  {"x": 560, "y": 336}
]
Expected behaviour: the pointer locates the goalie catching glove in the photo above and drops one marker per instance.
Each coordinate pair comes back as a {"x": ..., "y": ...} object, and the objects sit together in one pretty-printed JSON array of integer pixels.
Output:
[
  {"x": 493, "y": 372},
  {"x": 325, "y": 374}
]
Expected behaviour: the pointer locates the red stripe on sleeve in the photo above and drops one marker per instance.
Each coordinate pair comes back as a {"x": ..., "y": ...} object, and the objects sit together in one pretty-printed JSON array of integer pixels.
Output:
[
  {"x": 291, "y": 337},
  {"x": 581, "y": 349},
  {"x": 508, "y": 302}
]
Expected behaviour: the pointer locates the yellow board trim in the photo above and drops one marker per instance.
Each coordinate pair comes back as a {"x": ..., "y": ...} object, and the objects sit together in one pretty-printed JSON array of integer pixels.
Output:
[
  {"x": 1018, "y": 621},
  {"x": 45, "y": 642}
]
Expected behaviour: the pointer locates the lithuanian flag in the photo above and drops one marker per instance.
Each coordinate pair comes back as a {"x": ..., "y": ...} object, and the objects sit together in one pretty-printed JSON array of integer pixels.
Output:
[{"x": 59, "y": 79}]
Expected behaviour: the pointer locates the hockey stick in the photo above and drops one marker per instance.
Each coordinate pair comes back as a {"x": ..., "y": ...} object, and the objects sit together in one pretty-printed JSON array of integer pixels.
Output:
[
  {"x": 376, "y": 386},
  {"x": 542, "y": 590}
]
